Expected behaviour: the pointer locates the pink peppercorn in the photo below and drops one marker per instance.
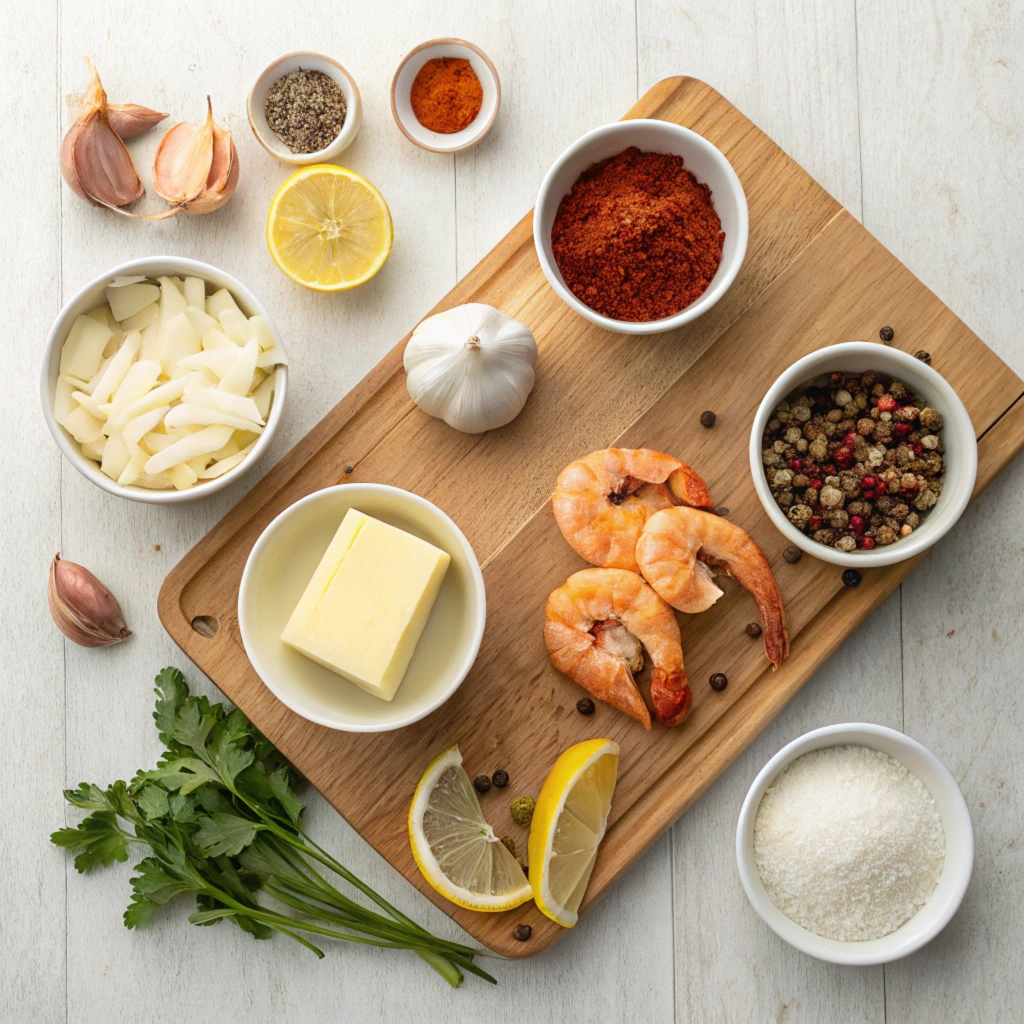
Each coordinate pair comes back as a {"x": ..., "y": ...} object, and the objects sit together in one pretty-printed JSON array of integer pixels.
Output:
[
  {"x": 867, "y": 543},
  {"x": 814, "y": 523},
  {"x": 843, "y": 457},
  {"x": 857, "y": 524},
  {"x": 902, "y": 429},
  {"x": 815, "y": 483},
  {"x": 796, "y": 465},
  {"x": 887, "y": 404},
  {"x": 880, "y": 487},
  {"x": 918, "y": 448},
  {"x": 869, "y": 482}
]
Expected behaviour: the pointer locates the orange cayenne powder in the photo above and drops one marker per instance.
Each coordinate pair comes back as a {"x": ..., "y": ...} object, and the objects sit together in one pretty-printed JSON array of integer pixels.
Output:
[{"x": 446, "y": 95}]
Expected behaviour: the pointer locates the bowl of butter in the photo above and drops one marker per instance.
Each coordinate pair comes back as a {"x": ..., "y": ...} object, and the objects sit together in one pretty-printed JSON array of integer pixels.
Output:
[{"x": 362, "y": 607}]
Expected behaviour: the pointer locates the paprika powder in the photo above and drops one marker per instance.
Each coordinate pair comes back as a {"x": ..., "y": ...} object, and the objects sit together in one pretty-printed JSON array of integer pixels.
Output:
[
  {"x": 446, "y": 95},
  {"x": 637, "y": 238}
]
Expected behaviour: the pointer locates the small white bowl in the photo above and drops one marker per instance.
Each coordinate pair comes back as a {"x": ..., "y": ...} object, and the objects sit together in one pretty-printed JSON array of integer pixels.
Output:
[
  {"x": 958, "y": 440},
  {"x": 93, "y": 295},
  {"x": 308, "y": 61},
  {"x": 280, "y": 566},
  {"x": 401, "y": 86},
  {"x": 705, "y": 161},
  {"x": 956, "y": 871}
]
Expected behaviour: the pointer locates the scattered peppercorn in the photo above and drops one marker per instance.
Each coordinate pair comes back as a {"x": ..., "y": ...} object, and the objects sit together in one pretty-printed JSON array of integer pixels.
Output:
[
  {"x": 707, "y": 419},
  {"x": 500, "y": 778},
  {"x": 585, "y": 706},
  {"x": 509, "y": 843},
  {"x": 481, "y": 783},
  {"x": 925, "y": 357},
  {"x": 522, "y": 932},
  {"x": 887, "y": 334},
  {"x": 522, "y": 809},
  {"x": 721, "y": 511},
  {"x": 719, "y": 681},
  {"x": 851, "y": 578},
  {"x": 349, "y": 469},
  {"x": 792, "y": 554},
  {"x": 753, "y": 630}
]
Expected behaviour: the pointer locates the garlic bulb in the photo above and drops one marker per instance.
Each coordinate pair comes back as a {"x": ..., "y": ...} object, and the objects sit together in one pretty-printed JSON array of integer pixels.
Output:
[
  {"x": 471, "y": 366},
  {"x": 84, "y": 610}
]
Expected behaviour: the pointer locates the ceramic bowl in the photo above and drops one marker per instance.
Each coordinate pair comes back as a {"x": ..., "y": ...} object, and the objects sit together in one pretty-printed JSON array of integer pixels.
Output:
[
  {"x": 280, "y": 566},
  {"x": 703, "y": 159},
  {"x": 956, "y": 871},
  {"x": 958, "y": 439},
  {"x": 308, "y": 61},
  {"x": 401, "y": 85},
  {"x": 93, "y": 295}
]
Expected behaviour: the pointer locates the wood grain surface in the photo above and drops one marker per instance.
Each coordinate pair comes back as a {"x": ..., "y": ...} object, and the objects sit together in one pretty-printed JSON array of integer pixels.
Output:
[{"x": 813, "y": 276}]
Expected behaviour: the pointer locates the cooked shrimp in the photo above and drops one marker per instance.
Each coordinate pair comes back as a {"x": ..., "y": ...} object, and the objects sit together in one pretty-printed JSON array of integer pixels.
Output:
[
  {"x": 602, "y": 501},
  {"x": 597, "y": 621},
  {"x": 681, "y": 550}
]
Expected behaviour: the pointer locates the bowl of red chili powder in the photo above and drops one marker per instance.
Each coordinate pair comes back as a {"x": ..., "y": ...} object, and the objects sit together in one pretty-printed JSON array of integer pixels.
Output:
[{"x": 641, "y": 226}]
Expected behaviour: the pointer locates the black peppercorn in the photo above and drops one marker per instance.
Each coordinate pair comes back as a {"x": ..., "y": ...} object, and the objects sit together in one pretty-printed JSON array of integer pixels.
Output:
[
  {"x": 500, "y": 778},
  {"x": 754, "y": 630},
  {"x": 719, "y": 681},
  {"x": 348, "y": 469},
  {"x": 707, "y": 419},
  {"x": 851, "y": 577},
  {"x": 925, "y": 357},
  {"x": 522, "y": 932},
  {"x": 887, "y": 334},
  {"x": 792, "y": 554},
  {"x": 721, "y": 511},
  {"x": 481, "y": 783},
  {"x": 585, "y": 706}
]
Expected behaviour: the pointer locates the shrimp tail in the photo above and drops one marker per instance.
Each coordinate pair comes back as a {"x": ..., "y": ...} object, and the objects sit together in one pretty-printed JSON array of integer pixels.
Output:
[
  {"x": 671, "y": 696},
  {"x": 688, "y": 488}
]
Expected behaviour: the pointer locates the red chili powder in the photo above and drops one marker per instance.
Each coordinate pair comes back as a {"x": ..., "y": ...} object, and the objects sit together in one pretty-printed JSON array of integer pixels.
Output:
[
  {"x": 446, "y": 95},
  {"x": 637, "y": 238}
]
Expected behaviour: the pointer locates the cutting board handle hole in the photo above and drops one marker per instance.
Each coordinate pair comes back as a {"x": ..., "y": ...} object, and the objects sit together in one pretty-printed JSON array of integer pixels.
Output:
[{"x": 205, "y": 625}]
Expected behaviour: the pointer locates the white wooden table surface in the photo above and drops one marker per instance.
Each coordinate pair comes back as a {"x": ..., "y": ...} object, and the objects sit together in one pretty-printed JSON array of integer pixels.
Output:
[{"x": 909, "y": 113}]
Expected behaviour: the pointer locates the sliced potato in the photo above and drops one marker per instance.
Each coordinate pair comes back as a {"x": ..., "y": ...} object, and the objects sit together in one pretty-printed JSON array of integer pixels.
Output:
[
  {"x": 133, "y": 469},
  {"x": 126, "y": 279},
  {"x": 219, "y": 361},
  {"x": 63, "y": 403},
  {"x": 201, "y": 320},
  {"x": 194, "y": 415},
  {"x": 138, "y": 381},
  {"x": 145, "y": 316},
  {"x": 154, "y": 442},
  {"x": 182, "y": 475},
  {"x": 262, "y": 333},
  {"x": 219, "y": 301},
  {"x": 160, "y": 482},
  {"x": 222, "y": 466},
  {"x": 94, "y": 449},
  {"x": 136, "y": 429},
  {"x": 236, "y": 326},
  {"x": 83, "y": 427},
  {"x": 214, "y": 339},
  {"x": 194, "y": 290},
  {"x": 110, "y": 380},
  {"x": 115, "y": 456},
  {"x": 172, "y": 300},
  {"x": 272, "y": 357},
  {"x": 201, "y": 443},
  {"x": 263, "y": 395},
  {"x": 162, "y": 395},
  {"x": 91, "y": 406},
  {"x": 214, "y": 398},
  {"x": 83, "y": 350},
  {"x": 130, "y": 299},
  {"x": 238, "y": 380},
  {"x": 181, "y": 339}
]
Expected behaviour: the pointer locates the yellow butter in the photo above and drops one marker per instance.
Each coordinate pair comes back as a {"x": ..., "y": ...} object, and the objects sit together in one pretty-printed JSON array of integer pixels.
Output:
[{"x": 365, "y": 607}]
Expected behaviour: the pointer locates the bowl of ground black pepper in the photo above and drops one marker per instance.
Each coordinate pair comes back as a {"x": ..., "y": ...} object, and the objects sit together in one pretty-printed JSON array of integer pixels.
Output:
[
  {"x": 305, "y": 108},
  {"x": 445, "y": 95},
  {"x": 641, "y": 226}
]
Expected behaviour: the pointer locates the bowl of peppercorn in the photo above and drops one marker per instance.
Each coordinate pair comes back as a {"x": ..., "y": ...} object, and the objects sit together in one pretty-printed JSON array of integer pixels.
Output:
[
  {"x": 863, "y": 455},
  {"x": 641, "y": 226}
]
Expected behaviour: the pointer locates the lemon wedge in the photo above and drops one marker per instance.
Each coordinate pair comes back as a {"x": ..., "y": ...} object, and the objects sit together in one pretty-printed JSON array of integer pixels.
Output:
[
  {"x": 328, "y": 228},
  {"x": 568, "y": 825},
  {"x": 454, "y": 847}
]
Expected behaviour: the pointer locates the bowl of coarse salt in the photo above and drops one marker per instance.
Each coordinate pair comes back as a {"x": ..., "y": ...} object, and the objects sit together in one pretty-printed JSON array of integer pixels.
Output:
[{"x": 855, "y": 844}]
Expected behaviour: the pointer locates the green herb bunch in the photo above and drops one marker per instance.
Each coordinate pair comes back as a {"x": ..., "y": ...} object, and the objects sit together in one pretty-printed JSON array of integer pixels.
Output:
[{"x": 222, "y": 820}]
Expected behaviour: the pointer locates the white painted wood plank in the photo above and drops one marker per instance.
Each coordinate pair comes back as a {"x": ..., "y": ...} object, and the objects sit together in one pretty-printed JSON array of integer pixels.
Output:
[{"x": 31, "y": 648}]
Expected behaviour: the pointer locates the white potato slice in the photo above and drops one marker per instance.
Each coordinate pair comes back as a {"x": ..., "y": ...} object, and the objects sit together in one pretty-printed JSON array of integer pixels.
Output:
[
  {"x": 83, "y": 350},
  {"x": 262, "y": 333},
  {"x": 154, "y": 442},
  {"x": 214, "y": 398},
  {"x": 91, "y": 406},
  {"x": 201, "y": 320},
  {"x": 263, "y": 394},
  {"x": 201, "y": 443},
  {"x": 181, "y": 339},
  {"x": 162, "y": 395},
  {"x": 236, "y": 326},
  {"x": 63, "y": 403},
  {"x": 160, "y": 482},
  {"x": 133, "y": 469},
  {"x": 182, "y": 476},
  {"x": 152, "y": 342},
  {"x": 138, "y": 381},
  {"x": 244, "y": 438},
  {"x": 127, "y": 279},
  {"x": 214, "y": 339},
  {"x": 219, "y": 301},
  {"x": 194, "y": 289},
  {"x": 85, "y": 428},
  {"x": 100, "y": 314},
  {"x": 94, "y": 449},
  {"x": 172, "y": 301},
  {"x": 238, "y": 380},
  {"x": 194, "y": 415},
  {"x": 272, "y": 357},
  {"x": 136, "y": 429},
  {"x": 219, "y": 361},
  {"x": 142, "y": 319},
  {"x": 110, "y": 380},
  {"x": 231, "y": 448},
  {"x": 222, "y": 466},
  {"x": 115, "y": 456},
  {"x": 199, "y": 463},
  {"x": 131, "y": 299}
]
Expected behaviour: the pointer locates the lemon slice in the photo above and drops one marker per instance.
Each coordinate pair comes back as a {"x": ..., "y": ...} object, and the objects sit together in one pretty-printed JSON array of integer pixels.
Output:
[
  {"x": 568, "y": 825},
  {"x": 328, "y": 228},
  {"x": 457, "y": 851}
]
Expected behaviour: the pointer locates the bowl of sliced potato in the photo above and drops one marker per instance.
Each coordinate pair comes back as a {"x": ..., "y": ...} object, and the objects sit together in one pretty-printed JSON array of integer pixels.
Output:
[{"x": 163, "y": 380}]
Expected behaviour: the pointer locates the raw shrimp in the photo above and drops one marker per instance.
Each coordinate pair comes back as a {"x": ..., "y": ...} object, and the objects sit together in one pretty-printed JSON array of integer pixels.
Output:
[
  {"x": 596, "y": 623},
  {"x": 602, "y": 501},
  {"x": 681, "y": 550}
]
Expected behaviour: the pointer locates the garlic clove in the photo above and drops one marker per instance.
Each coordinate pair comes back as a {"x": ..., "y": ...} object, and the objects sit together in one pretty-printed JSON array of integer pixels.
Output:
[
  {"x": 83, "y": 609},
  {"x": 131, "y": 119},
  {"x": 184, "y": 159}
]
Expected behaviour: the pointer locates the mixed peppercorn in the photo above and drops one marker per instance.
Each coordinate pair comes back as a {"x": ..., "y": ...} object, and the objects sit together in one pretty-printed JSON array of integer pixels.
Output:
[{"x": 856, "y": 462}]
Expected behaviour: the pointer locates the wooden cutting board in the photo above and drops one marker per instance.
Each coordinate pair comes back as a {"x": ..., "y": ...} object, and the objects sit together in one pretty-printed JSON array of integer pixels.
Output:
[{"x": 812, "y": 277}]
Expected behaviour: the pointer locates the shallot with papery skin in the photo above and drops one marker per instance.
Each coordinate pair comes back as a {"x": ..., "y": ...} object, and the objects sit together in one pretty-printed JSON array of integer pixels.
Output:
[{"x": 84, "y": 610}]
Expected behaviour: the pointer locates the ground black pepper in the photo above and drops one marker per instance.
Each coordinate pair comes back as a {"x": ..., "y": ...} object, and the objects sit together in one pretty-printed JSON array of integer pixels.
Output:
[{"x": 306, "y": 110}]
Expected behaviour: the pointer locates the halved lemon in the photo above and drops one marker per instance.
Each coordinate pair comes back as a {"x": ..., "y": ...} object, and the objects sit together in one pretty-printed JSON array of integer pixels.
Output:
[
  {"x": 328, "y": 228},
  {"x": 568, "y": 825},
  {"x": 455, "y": 848}
]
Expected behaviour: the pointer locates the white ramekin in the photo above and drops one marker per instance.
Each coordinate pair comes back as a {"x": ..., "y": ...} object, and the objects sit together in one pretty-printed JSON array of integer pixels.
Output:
[
  {"x": 958, "y": 440},
  {"x": 700, "y": 157},
  {"x": 956, "y": 871},
  {"x": 93, "y": 295}
]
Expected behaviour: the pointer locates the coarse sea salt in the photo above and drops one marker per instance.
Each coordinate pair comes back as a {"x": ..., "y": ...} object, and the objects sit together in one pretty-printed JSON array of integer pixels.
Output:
[{"x": 848, "y": 843}]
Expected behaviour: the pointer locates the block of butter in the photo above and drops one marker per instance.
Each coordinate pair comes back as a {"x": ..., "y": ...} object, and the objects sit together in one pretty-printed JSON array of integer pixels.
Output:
[{"x": 365, "y": 607}]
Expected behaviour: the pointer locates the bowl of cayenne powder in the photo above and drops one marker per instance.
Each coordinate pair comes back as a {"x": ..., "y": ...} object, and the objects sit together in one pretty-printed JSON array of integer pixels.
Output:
[{"x": 641, "y": 226}]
